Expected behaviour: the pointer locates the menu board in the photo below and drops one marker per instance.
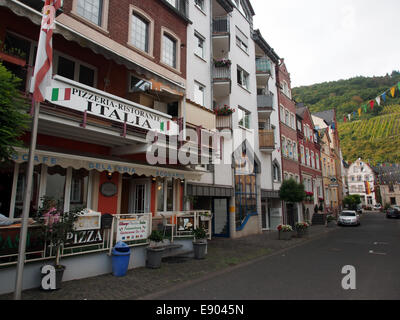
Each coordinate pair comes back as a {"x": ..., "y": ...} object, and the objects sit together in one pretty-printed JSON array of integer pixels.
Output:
[{"x": 132, "y": 229}]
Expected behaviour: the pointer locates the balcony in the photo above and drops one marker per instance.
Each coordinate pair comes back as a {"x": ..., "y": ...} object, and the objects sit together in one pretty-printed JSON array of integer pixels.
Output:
[
  {"x": 222, "y": 80},
  {"x": 266, "y": 140},
  {"x": 221, "y": 34},
  {"x": 263, "y": 71},
  {"x": 265, "y": 106},
  {"x": 224, "y": 122}
]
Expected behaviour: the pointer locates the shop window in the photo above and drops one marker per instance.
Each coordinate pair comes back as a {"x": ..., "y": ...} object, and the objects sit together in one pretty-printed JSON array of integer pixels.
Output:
[
  {"x": 160, "y": 195},
  {"x": 55, "y": 185},
  {"x": 21, "y": 189},
  {"x": 165, "y": 195},
  {"x": 79, "y": 189},
  {"x": 170, "y": 195}
]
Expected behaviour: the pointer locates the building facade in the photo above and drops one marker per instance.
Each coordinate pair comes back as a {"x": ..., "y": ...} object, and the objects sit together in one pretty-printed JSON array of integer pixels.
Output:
[
  {"x": 289, "y": 146},
  {"x": 387, "y": 184},
  {"x": 361, "y": 180},
  {"x": 310, "y": 161}
]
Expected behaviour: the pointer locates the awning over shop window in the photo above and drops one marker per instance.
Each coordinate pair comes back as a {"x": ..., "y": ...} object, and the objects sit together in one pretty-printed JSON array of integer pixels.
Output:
[{"x": 78, "y": 162}]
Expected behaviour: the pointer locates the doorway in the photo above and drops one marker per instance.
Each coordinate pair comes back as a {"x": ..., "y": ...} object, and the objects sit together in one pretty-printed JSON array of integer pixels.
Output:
[
  {"x": 220, "y": 221},
  {"x": 139, "y": 200}
]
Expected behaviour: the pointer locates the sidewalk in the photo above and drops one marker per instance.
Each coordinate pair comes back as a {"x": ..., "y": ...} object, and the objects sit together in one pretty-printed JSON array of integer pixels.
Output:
[{"x": 223, "y": 254}]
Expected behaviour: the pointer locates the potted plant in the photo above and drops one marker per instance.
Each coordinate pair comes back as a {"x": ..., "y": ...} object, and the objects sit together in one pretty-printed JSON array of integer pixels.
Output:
[
  {"x": 301, "y": 228},
  {"x": 205, "y": 216},
  {"x": 222, "y": 63},
  {"x": 56, "y": 226},
  {"x": 224, "y": 111},
  {"x": 155, "y": 250},
  {"x": 285, "y": 232},
  {"x": 330, "y": 221},
  {"x": 200, "y": 243}
]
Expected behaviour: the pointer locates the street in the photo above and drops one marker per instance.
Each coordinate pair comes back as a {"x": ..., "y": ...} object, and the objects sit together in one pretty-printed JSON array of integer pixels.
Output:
[{"x": 314, "y": 270}]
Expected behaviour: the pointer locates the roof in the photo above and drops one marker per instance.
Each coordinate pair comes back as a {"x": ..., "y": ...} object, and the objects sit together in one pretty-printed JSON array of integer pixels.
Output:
[
  {"x": 387, "y": 174},
  {"x": 259, "y": 39},
  {"x": 300, "y": 109},
  {"x": 328, "y": 116}
]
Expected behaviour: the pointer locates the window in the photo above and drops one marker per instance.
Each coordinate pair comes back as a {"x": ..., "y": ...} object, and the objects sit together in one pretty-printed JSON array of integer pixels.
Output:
[
  {"x": 285, "y": 89},
  {"x": 287, "y": 117},
  {"x": 308, "y": 157},
  {"x": 276, "y": 172},
  {"x": 199, "y": 49},
  {"x": 391, "y": 187},
  {"x": 55, "y": 186},
  {"x": 303, "y": 160},
  {"x": 242, "y": 78},
  {"x": 244, "y": 118},
  {"x": 292, "y": 123},
  {"x": 298, "y": 125},
  {"x": 140, "y": 32},
  {"x": 138, "y": 85},
  {"x": 295, "y": 155},
  {"x": 282, "y": 114},
  {"x": 91, "y": 10},
  {"x": 79, "y": 189},
  {"x": 199, "y": 3},
  {"x": 199, "y": 93},
  {"x": 241, "y": 40},
  {"x": 317, "y": 161},
  {"x": 245, "y": 197},
  {"x": 284, "y": 147},
  {"x": 165, "y": 195},
  {"x": 75, "y": 70},
  {"x": 290, "y": 148},
  {"x": 312, "y": 159},
  {"x": 169, "y": 51}
]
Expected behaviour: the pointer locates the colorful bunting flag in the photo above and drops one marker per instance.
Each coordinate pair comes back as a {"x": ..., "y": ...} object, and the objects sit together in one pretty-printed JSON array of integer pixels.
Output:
[
  {"x": 365, "y": 108},
  {"x": 344, "y": 119},
  {"x": 392, "y": 91},
  {"x": 371, "y": 103},
  {"x": 359, "y": 112},
  {"x": 378, "y": 100},
  {"x": 384, "y": 96}
]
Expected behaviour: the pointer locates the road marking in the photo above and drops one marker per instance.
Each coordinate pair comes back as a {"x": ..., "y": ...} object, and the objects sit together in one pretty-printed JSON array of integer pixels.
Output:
[
  {"x": 382, "y": 243},
  {"x": 380, "y": 253}
]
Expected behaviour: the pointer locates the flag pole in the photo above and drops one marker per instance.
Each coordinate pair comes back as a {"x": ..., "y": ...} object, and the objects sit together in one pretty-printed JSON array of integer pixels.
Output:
[{"x": 26, "y": 206}]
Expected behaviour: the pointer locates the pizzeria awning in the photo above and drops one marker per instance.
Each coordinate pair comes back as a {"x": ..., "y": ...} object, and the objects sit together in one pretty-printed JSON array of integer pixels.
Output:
[{"x": 64, "y": 160}]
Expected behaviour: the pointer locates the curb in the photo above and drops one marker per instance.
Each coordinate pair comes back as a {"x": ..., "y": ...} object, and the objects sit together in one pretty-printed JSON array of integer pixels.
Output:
[{"x": 153, "y": 296}]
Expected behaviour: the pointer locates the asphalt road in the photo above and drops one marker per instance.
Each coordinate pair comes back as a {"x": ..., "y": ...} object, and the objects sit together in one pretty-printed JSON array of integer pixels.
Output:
[{"x": 314, "y": 270}]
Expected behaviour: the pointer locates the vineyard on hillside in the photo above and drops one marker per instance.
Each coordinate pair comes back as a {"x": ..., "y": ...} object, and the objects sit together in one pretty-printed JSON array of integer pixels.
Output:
[{"x": 376, "y": 139}]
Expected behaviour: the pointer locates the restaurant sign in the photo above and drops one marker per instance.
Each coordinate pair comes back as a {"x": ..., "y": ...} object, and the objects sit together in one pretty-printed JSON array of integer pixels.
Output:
[
  {"x": 76, "y": 96},
  {"x": 132, "y": 229}
]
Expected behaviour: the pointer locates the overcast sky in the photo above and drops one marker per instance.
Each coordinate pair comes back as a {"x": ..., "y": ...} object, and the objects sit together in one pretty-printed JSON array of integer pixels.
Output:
[{"x": 330, "y": 40}]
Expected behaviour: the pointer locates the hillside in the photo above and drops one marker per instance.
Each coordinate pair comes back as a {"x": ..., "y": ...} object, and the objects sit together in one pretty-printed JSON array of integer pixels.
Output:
[
  {"x": 376, "y": 139},
  {"x": 375, "y": 136},
  {"x": 346, "y": 96}
]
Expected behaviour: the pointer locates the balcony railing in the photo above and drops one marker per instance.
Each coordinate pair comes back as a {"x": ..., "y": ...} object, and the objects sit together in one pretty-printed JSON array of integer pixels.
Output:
[
  {"x": 264, "y": 101},
  {"x": 263, "y": 66},
  {"x": 266, "y": 139},
  {"x": 224, "y": 122},
  {"x": 221, "y": 73},
  {"x": 220, "y": 25}
]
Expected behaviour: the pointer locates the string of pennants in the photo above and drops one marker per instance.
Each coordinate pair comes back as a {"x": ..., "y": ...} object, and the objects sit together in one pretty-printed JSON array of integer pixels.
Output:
[{"x": 379, "y": 100}]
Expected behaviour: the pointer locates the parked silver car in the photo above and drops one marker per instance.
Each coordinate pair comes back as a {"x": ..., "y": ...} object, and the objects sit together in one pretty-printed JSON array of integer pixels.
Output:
[{"x": 348, "y": 218}]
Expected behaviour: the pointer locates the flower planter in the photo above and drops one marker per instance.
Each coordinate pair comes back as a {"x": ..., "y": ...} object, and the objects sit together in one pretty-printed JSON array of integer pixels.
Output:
[
  {"x": 59, "y": 275},
  {"x": 301, "y": 232},
  {"x": 200, "y": 249},
  {"x": 285, "y": 235},
  {"x": 154, "y": 256}
]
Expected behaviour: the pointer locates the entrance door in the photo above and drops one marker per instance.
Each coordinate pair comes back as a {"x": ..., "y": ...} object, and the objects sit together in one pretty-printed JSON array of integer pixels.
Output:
[
  {"x": 221, "y": 218},
  {"x": 139, "y": 196},
  {"x": 264, "y": 216}
]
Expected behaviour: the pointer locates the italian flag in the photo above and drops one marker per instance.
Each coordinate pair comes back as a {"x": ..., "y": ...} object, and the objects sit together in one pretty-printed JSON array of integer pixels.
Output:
[
  {"x": 165, "y": 126},
  {"x": 59, "y": 94}
]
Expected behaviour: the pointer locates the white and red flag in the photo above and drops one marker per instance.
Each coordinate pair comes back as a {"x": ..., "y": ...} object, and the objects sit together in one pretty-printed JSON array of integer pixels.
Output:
[{"x": 44, "y": 57}]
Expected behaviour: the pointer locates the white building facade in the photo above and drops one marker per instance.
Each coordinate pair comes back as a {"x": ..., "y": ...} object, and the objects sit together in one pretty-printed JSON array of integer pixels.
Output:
[{"x": 361, "y": 180}]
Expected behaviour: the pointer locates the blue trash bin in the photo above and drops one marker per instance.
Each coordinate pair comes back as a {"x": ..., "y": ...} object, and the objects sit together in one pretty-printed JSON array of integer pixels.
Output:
[{"x": 120, "y": 259}]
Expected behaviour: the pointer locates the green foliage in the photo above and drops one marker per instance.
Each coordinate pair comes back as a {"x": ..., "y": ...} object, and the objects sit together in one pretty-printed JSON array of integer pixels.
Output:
[
  {"x": 352, "y": 201},
  {"x": 200, "y": 233},
  {"x": 291, "y": 191},
  {"x": 330, "y": 218},
  {"x": 156, "y": 236},
  {"x": 13, "y": 116},
  {"x": 346, "y": 96}
]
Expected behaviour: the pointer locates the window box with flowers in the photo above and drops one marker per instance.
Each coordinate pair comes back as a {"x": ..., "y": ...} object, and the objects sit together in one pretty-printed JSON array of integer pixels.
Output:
[
  {"x": 222, "y": 63},
  {"x": 12, "y": 55},
  {"x": 285, "y": 232},
  {"x": 301, "y": 228},
  {"x": 309, "y": 196},
  {"x": 224, "y": 111}
]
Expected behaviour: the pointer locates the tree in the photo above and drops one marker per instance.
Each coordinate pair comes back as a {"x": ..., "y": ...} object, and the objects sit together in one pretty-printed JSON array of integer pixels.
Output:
[
  {"x": 13, "y": 113},
  {"x": 291, "y": 191},
  {"x": 352, "y": 201}
]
